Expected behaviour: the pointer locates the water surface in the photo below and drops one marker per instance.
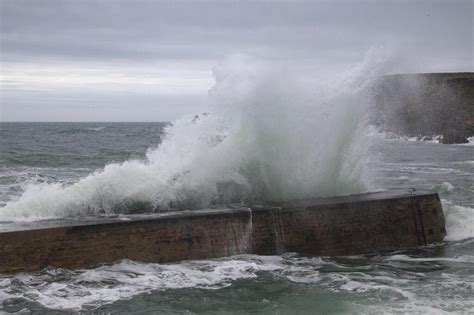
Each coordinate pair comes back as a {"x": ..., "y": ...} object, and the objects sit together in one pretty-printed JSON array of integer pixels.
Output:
[{"x": 438, "y": 278}]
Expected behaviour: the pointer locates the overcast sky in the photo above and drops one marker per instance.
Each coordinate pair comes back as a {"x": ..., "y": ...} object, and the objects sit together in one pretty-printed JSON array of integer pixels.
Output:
[{"x": 140, "y": 60}]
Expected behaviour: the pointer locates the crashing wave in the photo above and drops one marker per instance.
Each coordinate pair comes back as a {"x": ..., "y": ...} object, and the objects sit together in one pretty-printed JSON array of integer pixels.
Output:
[
  {"x": 459, "y": 221},
  {"x": 271, "y": 135}
]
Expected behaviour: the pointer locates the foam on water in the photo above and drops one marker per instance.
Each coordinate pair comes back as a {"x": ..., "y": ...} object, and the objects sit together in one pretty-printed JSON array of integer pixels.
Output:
[
  {"x": 398, "y": 282},
  {"x": 459, "y": 221},
  {"x": 445, "y": 187},
  {"x": 375, "y": 132},
  {"x": 72, "y": 290},
  {"x": 95, "y": 129},
  {"x": 471, "y": 141},
  {"x": 272, "y": 135}
]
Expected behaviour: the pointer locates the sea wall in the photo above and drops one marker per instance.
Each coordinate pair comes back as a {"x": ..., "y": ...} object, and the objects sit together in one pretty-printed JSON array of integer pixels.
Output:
[
  {"x": 426, "y": 104},
  {"x": 332, "y": 226}
]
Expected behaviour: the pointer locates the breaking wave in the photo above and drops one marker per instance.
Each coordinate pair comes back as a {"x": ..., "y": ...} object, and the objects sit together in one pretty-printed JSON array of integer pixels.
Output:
[
  {"x": 376, "y": 132},
  {"x": 271, "y": 135},
  {"x": 459, "y": 221}
]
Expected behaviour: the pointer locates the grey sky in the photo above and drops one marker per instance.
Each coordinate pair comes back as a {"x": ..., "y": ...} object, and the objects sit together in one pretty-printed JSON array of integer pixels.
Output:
[{"x": 152, "y": 60}]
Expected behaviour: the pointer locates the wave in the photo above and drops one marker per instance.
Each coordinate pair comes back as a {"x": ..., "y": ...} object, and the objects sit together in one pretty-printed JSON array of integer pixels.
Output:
[
  {"x": 459, "y": 221},
  {"x": 398, "y": 282},
  {"x": 376, "y": 132},
  {"x": 71, "y": 290},
  {"x": 470, "y": 141},
  {"x": 95, "y": 128},
  {"x": 271, "y": 135},
  {"x": 78, "y": 129},
  {"x": 445, "y": 187}
]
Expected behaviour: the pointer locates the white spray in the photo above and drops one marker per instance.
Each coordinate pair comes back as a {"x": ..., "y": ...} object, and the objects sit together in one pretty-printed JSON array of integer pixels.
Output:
[{"x": 270, "y": 136}]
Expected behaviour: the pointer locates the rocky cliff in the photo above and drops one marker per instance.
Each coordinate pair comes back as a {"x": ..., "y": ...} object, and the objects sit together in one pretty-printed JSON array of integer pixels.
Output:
[{"x": 425, "y": 105}]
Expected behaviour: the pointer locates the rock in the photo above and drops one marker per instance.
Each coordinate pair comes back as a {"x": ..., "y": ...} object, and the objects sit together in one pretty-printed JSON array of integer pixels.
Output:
[
  {"x": 453, "y": 137},
  {"x": 425, "y": 104}
]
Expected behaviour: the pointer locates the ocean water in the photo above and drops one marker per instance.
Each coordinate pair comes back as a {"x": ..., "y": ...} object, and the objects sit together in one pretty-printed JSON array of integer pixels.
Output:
[
  {"x": 436, "y": 279},
  {"x": 269, "y": 136}
]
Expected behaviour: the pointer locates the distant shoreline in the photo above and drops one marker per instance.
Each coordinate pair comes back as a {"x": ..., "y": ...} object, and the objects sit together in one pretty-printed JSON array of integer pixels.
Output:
[{"x": 426, "y": 104}]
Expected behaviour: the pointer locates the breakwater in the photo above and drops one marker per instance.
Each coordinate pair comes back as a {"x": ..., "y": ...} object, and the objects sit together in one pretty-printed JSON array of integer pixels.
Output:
[{"x": 346, "y": 225}]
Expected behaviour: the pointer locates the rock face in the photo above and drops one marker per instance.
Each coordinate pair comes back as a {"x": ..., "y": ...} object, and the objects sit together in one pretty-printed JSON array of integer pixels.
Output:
[
  {"x": 429, "y": 104},
  {"x": 453, "y": 136}
]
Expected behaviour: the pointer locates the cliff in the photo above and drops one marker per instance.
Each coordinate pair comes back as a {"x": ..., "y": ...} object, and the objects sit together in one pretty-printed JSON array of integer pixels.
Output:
[{"x": 425, "y": 105}]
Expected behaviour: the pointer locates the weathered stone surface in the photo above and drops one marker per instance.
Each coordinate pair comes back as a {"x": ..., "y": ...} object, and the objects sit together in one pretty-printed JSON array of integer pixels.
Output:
[{"x": 330, "y": 226}]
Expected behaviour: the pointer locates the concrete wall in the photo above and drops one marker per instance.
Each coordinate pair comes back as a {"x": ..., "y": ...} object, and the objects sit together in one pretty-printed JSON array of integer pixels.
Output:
[{"x": 332, "y": 226}]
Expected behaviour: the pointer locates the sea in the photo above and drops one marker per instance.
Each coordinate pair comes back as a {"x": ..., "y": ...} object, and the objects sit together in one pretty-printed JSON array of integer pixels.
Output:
[{"x": 50, "y": 170}]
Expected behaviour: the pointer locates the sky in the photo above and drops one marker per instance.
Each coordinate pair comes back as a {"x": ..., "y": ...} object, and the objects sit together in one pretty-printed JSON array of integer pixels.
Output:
[{"x": 114, "y": 60}]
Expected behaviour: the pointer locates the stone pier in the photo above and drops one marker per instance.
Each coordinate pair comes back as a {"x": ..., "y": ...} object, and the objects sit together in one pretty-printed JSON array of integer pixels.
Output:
[{"x": 347, "y": 225}]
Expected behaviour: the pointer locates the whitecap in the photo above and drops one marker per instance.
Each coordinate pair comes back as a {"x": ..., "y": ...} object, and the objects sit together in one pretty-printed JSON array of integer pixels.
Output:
[
  {"x": 459, "y": 221},
  {"x": 445, "y": 187}
]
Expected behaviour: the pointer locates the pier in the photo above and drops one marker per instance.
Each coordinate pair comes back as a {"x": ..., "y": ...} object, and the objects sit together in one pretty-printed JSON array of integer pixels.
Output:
[{"x": 347, "y": 225}]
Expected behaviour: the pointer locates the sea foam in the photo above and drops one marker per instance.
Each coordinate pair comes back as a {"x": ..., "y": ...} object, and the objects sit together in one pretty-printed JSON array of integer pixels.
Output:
[
  {"x": 395, "y": 282},
  {"x": 459, "y": 221}
]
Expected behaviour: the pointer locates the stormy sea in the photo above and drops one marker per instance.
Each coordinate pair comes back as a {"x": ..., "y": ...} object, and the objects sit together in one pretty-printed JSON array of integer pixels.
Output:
[{"x": 268, "y": 136}]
